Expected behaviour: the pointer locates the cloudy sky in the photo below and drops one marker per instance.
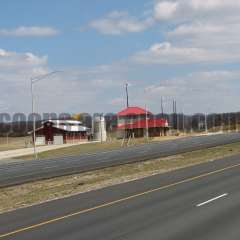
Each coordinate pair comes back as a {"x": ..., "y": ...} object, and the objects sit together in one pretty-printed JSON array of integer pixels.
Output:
[{"x": 188, "y": 50}]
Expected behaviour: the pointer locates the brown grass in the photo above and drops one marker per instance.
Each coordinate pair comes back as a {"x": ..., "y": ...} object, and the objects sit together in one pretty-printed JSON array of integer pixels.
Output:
[
  {"x": 13, "y": 143},
  {"x": 93, "y": 147}
]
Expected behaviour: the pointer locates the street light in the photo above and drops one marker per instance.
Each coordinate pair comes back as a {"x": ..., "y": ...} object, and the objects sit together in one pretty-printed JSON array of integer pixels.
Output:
[
  {"x": 101, "y": 130},
  {"x": 205, "y": 123},
  {"x": 146, "y": 117},
  {"x": 32, "y": 81}
]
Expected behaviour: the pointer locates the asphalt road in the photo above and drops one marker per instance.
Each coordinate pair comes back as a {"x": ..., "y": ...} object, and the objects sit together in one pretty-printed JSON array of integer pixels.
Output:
[
  {"x": 26, "y": 171},
  {"x": 200, "y": 202}
]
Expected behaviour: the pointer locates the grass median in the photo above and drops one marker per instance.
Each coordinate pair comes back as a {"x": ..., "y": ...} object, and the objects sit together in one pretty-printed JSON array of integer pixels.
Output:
[
  {"x": 92, "y": 148},
  {"x": 41, "y": 191}
]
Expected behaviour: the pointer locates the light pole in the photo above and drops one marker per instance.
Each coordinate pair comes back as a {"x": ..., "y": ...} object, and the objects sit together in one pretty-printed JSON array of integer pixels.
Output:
[
  {"x": 229, "y": 123},
  {"x": 101, "y": 133},
  {"x": 146, "y": 116},
  {"x": 236, "y": 122},
  {"x": 146, "y": 119},
  {"x": 206, "y": 126},
  {"x": 222, "y": 122},
  {"x": 183, "y": 123},
  {"x": 7, "y": 135},
  {"x": 33, "y": 80}
]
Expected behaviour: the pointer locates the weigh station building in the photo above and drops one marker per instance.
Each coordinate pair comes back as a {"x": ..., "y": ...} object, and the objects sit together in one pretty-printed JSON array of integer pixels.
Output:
[{"x": 136, "y": 121}]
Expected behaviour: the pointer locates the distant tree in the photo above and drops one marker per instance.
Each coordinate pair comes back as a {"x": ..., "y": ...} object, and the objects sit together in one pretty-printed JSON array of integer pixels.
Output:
[
  {"x": 77, "y": 116},
  {"x": 85, "y": 118}
]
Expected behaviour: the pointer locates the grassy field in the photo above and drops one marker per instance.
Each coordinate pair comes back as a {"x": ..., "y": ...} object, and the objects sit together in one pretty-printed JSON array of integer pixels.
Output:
[
  {"x": 12, "y": 143},
  {"x": 93, "y": 147},
  {"x": 41, "y": 191}
]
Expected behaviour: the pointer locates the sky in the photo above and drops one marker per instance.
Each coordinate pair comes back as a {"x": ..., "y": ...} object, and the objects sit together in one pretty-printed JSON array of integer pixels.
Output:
[{"x": 187, "y": 50}]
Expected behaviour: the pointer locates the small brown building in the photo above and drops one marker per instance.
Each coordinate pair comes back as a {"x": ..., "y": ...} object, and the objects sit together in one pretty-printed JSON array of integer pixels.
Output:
[{"x": 60, "y": 132}]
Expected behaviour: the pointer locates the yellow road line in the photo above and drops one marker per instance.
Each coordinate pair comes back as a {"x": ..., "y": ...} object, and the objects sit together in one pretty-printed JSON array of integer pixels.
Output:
[{"x": 24, "y": 229}]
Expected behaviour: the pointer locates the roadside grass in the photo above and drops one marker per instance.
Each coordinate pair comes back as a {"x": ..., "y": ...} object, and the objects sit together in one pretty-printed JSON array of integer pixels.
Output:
[
  {"x": 12, "y": 143},
  {"x": 41, "y": 191}
]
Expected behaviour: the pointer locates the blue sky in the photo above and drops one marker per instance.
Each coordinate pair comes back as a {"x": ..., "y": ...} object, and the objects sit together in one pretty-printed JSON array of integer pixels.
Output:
[
  {"x": 85, "y": 48},
  {"x": 176, "y": 49}
]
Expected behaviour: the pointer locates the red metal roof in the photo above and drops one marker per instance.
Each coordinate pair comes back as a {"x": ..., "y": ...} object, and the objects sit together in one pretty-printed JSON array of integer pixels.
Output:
[
  {"x": 159, "y": 122},
  {"x": 133, "y": 111}
]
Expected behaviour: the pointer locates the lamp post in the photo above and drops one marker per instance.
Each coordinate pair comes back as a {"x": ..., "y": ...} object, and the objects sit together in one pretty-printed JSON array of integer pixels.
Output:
[
  {"x": 205, "y": 123},
  {"x": 33, "y": 80},
  {"x": 229, "y": 123},
  {"x": 101, "y": 133},
  {"x": 183, "y": 122},
  {"x": 146, "y": 119},
  {"x": 236, "y": 116}
]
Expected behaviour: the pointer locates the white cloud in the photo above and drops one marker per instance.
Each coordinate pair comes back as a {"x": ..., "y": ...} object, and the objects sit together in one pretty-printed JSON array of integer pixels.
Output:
[
  {"x": 118, "y": 23},
  {"x": 182, "y": 9},
  {"x": 165, "y": 10},
  {"x": 166, "y": 53},
  {"x": 4, "y": 53},
  {"x": 119, "y": 102},
  {"x": 196, "y": 29},
  {"x": 117, "y": 14},
  {"x": 15, "y": 72},
  {"x": 73, "y": 90},
  {"x": 209, "y": 91},
  {"x": 20, "y": 61},
  {"x": 95, "y": 88},
  {"x": 213, "y": 4},
  {"x": 174, "y": 11},
  {"x": 33, "y": 31},
  {"x": 195, "y": 32},
  {"x": 207, "y": 34}
]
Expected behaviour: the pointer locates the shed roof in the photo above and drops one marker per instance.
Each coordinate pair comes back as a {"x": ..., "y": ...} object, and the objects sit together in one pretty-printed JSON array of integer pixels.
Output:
[{"x": 65, "y": 122}]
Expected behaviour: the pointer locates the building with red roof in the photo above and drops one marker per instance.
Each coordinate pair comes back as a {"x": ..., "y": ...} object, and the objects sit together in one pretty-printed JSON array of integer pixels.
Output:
[
  {"x": 61, "y": 131},
  {"x": 136, "y": 121},
  {"x": 132, "y": 111}
]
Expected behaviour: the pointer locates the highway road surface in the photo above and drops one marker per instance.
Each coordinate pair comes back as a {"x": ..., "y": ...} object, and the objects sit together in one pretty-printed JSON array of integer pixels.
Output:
[
  {"x": 200, "y": 202},
  {"x": 25, "y": 171}
]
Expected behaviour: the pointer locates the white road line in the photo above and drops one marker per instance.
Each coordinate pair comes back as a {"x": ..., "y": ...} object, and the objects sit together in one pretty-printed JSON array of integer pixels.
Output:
[{"x": 213, "y": 199}]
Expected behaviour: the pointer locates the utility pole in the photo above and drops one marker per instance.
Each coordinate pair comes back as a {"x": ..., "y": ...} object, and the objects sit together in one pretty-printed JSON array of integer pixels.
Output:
[
  {"x": 236, "y": 122},
  {"x": 222, "y": 122},
  {"x": 174, "y": 114},
  {"x": 126, "y": 87},
  {"x": 173, "y": 106},
  {"x": 199, "y": 121},
  {"x": 101, "y": 138},
  {"x": 206, "y": 127},
  {"x": 229, "y": 123},
  {"x": 8, "y": 138},
  {"x": 183, "y": 122},
  {"x": 177, "y": 120},
  {"x": 34, "y": 80},
  {"x": 214, "y": 123},
  {"x": 191, "y": 130},
  {"x": 162, "y": 106},
  {"x": 146, "y": 119},
  {"x": 34, "y": 122}
]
